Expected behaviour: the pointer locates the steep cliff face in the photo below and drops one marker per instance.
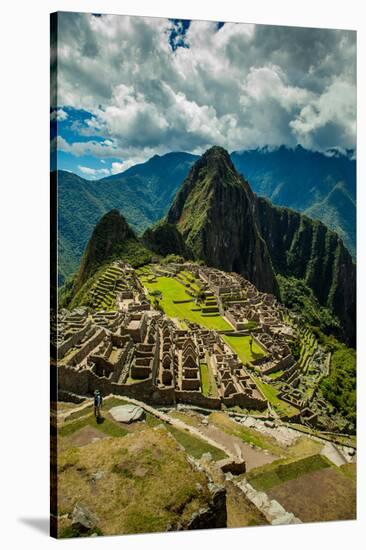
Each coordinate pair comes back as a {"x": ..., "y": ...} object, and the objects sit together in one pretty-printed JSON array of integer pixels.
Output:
[
  {"x": 164, "y": 238},
  {"x": 308, "y": 250},
  {"x": 215, "y": 212},
  {"x": 111, "y": 232}
]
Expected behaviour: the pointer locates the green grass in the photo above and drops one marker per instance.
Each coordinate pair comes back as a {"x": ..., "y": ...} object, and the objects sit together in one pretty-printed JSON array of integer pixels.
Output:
[
  {"x": 241, "y": 346},
  {"x": 349, "y": 470},
  {"x": 195, "y": 446},
  {"x": 107, "y": 427},
  {"x": 209, "y": 388},
  {"x": 276, "y": 374},
  {"x": 275, "y": 474},
  {"x": 107, "y": 404},
  {"x": 270, "y": 393},
  {"x": 172, "y": 290}
]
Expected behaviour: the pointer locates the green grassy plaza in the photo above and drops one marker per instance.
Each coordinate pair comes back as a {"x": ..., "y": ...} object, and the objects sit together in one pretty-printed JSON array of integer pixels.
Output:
[
  {"x": 172, "y": 290},
  {"x": 241, "y": 346}
]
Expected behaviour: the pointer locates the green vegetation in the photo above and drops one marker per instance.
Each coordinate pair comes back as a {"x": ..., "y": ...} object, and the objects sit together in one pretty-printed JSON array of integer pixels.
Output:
[
  {"x": 195, "y": 446},
  {"x": 241, "y": 346},
  {"x": 173, "y": 258},
  {"x": 275, "y": 474},
  {"x": 339, "y": 388},
  {"x": 241, "y": 512},
  {"x": 142, "y": 194},
  {"x": 295, "y": 347},
  {"x": 106, "y": 426},
  {"x": 270, "y": 393},
  {"x": 299, "y": 297},
  {"x": 112, "y": 239},
  {"x": 78, "y": 420},
  {"x": 209, "y": 388},
  {"x": 164, "y": 239},
  {"x": 71, "y": 532},
  {"x": 334, "y": 200},
  {"x": 339, "y": 439},
  {"x": 315, "y": 271},
  {"x": 108, "y": 403},
  {"x": 349, "y": 470},
  {"x": 148, "y": 480},
  {"x": 275, "y": 375},
  {"x": 313, "y": 488},
  {"x": 109, "y": 238},
  {"x": 174, "y": 291}
]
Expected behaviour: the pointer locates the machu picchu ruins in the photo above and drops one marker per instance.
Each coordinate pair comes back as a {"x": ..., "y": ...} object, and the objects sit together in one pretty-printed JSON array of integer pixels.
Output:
[
  {"x": 123, "y": 343},
  {"x": 191, "y": 356}
]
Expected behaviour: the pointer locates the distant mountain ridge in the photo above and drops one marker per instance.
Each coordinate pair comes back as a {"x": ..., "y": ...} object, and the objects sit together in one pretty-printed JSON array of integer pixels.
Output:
[
  {"x": 310, "y": 252},
  {"x": 305, "y": 180},
  {"x": 320, "y": 185},
  {"x": 143, "y": 194}
]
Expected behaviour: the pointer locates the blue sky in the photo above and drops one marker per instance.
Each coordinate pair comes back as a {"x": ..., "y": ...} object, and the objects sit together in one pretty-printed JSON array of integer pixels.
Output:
[
  {"x": 69, "y": 123},
  {"x": 132, "y": 87}
]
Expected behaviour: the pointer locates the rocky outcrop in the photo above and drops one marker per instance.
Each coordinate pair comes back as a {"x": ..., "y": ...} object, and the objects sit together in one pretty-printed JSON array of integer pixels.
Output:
[
  {"x": 213, "y": 516},
  {"x": 306, "y": 249},
  {"x": 83, "y": 521}
]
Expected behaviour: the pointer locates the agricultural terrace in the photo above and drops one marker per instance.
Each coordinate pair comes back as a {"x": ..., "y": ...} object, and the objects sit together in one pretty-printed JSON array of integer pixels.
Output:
[
  {"x": 312, "y": 488},
  {"x": 177, "y": 303}
]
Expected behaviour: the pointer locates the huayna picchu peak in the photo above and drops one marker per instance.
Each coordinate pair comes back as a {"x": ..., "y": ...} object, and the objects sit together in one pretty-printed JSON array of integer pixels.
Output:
[{"x": 215, "y": 212}]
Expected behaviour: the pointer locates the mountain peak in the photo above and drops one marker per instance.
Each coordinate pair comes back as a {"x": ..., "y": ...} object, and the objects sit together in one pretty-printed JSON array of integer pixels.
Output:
[
  {"x": 216, "y": 152},
  {"x": 216, "y": 159},
  {"x": 110, "y": 233},
  {"x": 215, "y": 213}
]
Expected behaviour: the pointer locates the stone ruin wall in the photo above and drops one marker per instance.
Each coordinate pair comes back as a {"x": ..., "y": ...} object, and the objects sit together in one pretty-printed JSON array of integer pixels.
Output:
[{"x": 71, "y": 342}]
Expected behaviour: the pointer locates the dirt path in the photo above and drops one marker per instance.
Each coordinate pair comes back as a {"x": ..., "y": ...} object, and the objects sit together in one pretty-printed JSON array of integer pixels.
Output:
[
  {"x": 253, "y": 457},
  {"x": 84, "y": 405}
]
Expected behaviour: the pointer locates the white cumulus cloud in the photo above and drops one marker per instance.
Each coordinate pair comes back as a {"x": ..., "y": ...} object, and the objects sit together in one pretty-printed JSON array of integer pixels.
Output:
[
  {"x": 239, "y": 86},
  {"x": 59, "y": 114},
  {"x": 94, "y": 172}
]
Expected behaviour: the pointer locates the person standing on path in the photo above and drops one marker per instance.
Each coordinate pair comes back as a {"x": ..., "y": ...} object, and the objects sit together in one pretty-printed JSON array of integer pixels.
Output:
[{"x": 97, "y": 403}]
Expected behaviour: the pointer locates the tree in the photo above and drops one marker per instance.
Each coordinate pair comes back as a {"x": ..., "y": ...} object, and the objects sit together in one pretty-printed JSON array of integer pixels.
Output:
[{"x": 157, "y": 294}]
